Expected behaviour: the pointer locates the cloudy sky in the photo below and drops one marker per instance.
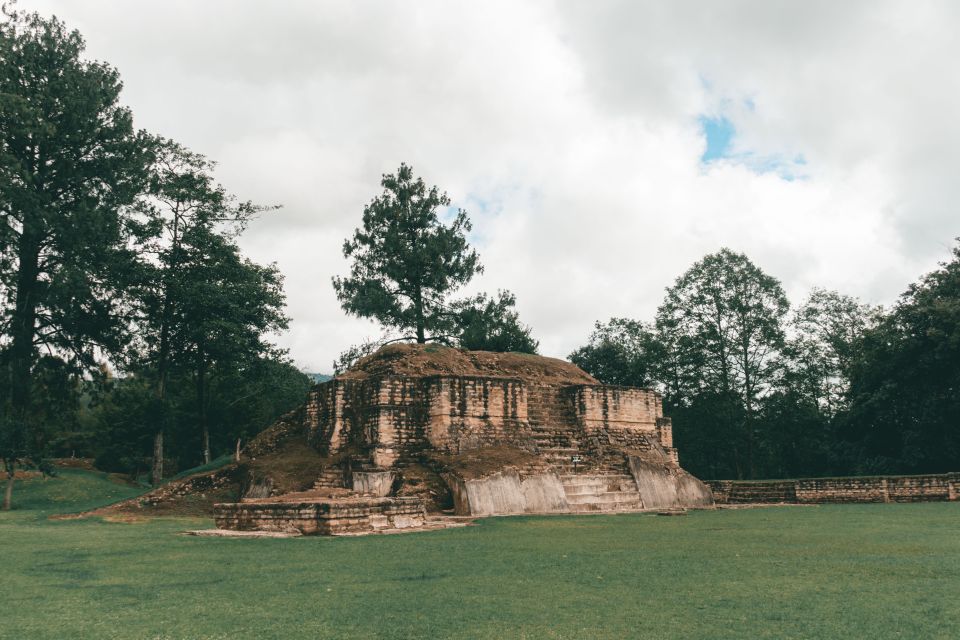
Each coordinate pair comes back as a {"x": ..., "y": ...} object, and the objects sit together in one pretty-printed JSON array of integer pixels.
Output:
[{"x": 599, "y": 147}]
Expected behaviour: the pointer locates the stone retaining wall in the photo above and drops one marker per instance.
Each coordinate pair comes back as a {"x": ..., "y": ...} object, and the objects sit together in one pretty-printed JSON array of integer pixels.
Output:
[
  {"x": 392, "y": 419},
  {"x": 506, "y": 492},
  {"x": 927, "y": 488},
  {"x": 333, "y": 517}
]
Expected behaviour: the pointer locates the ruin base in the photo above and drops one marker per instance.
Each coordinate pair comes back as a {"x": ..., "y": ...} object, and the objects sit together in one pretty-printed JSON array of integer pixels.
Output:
[{"x": 335, "y": 516}]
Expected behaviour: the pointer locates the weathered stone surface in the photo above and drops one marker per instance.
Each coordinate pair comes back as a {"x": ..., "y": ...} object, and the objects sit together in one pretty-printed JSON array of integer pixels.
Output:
[
  {"x": 925, "y": 488},
  {"x": 663, "y": 487},
  {"x": 555, "y": 441},
  {"x": 505, "y": 492},
  {"x": 373, "y": 483},
  {"x": 326, "y": 517}
]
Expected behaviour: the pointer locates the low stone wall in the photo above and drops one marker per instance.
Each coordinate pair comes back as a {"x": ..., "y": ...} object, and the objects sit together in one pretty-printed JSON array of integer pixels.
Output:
[
  {"x": 328, "y": 517},
  {"x": 928, "y": 488},
  {"x": 747, "y": 492}
]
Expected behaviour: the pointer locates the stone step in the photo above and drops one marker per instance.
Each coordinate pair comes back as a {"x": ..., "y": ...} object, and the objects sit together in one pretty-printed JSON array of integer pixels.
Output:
[
  {"x": 556, "y": 443},
  {"x": 605, "y": 507},
  {"x": 330, "y": 478},
  {"x": 606, "y": 477},
  {"x": 586, "y": 489},
  {"x": 619, "y": 497},
  {"x": 622, "y": 502},
  {"x": 560, "y": 456}
]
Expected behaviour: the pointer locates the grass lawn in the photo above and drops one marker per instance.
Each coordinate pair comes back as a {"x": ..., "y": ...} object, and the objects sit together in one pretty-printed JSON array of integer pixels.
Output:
[{"x": 851, "y": 571}]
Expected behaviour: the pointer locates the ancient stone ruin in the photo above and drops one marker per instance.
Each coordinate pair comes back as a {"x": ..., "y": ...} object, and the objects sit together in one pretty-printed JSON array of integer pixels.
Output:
[{"x": 414, "y": 431}]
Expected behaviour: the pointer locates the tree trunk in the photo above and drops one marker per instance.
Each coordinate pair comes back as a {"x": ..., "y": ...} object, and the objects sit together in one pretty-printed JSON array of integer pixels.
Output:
[
  {"x": 202, "y": 408},
  {"x": 421, "y": 323},
  {"x": 21, "y": 354},
  {"x": 163, "y": 361},
  {"x": 8, "y": 492},
  {"x": 157, "y": 472}
]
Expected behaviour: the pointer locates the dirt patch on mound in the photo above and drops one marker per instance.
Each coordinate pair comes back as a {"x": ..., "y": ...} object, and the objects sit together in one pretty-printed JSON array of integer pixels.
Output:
[
  {"x": 414, "y": 360},
  {"x": 287, "y": 428},
  {"x": 292, "y": 466}
]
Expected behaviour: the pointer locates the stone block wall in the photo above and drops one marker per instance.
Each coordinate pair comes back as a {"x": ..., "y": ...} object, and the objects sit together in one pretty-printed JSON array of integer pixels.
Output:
[
  {"x": 613, "y": 409},
  {"x": 384, "y": 415},
  {"x": 924, "y": 488},
  {"x": 335, "y": 517},
  {"x": 550, "y": 406},
  {"x": 393, "y": 418},
  {"x": 471, "y": 412}
]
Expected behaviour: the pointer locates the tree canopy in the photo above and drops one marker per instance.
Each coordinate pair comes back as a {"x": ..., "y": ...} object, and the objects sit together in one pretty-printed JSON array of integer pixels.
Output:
[
  {"x": 905, "y": 381},
  {"x": 621, "y": 351},
  {"x": 116, "y": 247},
  {"x": 405, "y": 261},
  {"x": 835, "y": 387},
  {"x": 70, "y": 162},
  {"x": 486, "y": 323}
]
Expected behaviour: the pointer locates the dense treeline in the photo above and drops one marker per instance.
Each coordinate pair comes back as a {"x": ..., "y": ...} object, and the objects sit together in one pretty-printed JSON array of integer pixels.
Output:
[
  {"x": 117, "y": 246},
  {"x": 757, "y": 390}
]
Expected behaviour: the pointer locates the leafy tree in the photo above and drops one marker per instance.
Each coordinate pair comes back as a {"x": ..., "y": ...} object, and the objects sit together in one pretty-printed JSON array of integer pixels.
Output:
[
  {"x": 708, "y": 431},
  {"x": 229, "y": 304},
  {"x": 70, "y": 161},
  {"x": 722, "y": 322},
  {"x": 797, "y": 437},
  {"x": 492, "y": 324},
  {"x": 245, "y": 398},
  {"x": 622, "y": 351},
  {"x": 406, "y": 262},
  {"x": 241, "y": 400},
  {"x": 198, "y": 299},
  {"x": 827, "y": 329},
  {"x": 905, "y": 377}
]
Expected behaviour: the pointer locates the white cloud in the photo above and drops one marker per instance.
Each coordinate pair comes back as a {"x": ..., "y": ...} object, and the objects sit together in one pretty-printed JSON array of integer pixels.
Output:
[{"x": 569, "y": 130}]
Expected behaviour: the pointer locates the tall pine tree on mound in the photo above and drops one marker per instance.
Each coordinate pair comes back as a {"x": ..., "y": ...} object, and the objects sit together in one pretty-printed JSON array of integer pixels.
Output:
[{"x": 406, "y": 264}]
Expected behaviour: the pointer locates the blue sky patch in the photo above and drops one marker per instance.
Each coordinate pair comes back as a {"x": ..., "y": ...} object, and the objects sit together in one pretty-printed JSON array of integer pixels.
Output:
[{"x": 719, "y": 133}]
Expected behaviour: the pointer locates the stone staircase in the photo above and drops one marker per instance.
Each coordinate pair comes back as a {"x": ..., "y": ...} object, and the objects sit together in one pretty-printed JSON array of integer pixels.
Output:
[
  {"x": 558, "y": 447},
  {"x": 330, "y": 478},
  {"x": 601, "y": 492}
]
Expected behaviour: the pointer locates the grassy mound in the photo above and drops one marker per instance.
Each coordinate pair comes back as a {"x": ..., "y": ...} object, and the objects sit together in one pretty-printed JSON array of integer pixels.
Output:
[{"x": 71, "y": 491}]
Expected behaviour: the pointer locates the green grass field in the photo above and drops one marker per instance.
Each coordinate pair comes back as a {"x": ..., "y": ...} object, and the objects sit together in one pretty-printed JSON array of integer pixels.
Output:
[{"x": 858, "y": 571}]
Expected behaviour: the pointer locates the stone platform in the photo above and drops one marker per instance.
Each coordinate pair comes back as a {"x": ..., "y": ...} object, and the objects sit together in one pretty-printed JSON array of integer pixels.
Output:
[{"x": 323, "y": 516}]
